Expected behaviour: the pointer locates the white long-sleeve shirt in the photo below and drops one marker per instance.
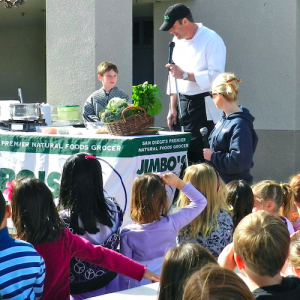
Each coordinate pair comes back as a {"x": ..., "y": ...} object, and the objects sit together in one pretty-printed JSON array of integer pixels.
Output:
[{"x": 204, "y": 55}]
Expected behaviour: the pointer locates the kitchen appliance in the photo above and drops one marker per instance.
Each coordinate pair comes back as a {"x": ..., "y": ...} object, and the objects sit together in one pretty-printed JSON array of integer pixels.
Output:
[{"x": 23, "y": 117}]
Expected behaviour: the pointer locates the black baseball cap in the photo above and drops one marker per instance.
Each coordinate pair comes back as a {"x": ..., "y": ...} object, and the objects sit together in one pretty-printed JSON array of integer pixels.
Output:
[{"x": 173, "y": 13}]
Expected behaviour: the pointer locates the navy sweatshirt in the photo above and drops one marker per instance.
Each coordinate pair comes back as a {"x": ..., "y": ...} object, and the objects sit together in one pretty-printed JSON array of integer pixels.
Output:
[{"x": 234, "y": 141}]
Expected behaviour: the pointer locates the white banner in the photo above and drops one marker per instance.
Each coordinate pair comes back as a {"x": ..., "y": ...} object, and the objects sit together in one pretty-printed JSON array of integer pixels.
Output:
[{"x": 118, "y": 171}]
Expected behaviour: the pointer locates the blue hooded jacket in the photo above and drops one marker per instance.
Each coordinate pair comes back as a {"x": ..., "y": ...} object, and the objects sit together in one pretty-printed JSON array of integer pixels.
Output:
[{"x": 234, "y": 141}]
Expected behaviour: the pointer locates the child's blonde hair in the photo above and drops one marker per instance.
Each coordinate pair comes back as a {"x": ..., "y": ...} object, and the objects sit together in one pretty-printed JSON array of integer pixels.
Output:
[
  {"x": 227, "y": 85},
  {"x": 294, "y": 256},
  {"x": 262, "y": 241},
  {"x": 295, "y": 185},
  {"x": 149, "y": 200},
  {"x": 280, "y": 194},
  {"x": 206, "y": 180}
]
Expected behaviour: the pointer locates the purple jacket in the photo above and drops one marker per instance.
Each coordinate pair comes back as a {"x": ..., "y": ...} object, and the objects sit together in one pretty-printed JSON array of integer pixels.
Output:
[{"x": 147, "y": 242}]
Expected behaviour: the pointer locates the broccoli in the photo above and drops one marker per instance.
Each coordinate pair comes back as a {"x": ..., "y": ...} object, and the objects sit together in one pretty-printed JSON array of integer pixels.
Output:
[
  {"x": 110, "y": 116},
  {"x": 113, "y": 111},
  {"x": 115, "y": 103}
]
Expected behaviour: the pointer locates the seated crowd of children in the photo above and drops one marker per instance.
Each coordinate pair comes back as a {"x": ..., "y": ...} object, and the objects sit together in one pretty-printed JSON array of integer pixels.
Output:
[{"x": 231, "y": 241}]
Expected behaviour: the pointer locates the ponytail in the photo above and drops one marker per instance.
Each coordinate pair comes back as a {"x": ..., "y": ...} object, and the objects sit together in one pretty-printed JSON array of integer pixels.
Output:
[{"x": 288, "y": 201}]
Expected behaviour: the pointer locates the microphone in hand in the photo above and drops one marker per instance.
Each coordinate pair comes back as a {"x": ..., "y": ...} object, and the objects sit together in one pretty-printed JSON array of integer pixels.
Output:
[
  {"x": 171, "y": 48},
  {"x": 204, "y": 132}
]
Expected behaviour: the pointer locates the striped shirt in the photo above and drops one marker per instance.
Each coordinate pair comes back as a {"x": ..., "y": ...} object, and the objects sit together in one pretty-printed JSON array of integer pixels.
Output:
[
  {"x": 22, "y": 269},
  {"x": 97, "y": 102}
]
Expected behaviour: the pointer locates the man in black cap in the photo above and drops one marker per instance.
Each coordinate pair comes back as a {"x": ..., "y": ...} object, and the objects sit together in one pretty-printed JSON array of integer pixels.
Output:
[{"x": 199, "y": 56}]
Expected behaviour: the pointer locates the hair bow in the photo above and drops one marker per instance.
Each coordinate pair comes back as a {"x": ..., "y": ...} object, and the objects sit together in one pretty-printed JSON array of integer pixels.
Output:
[
  {"x": 90, "y": 157},
  {"x": 9, "y": 188}
]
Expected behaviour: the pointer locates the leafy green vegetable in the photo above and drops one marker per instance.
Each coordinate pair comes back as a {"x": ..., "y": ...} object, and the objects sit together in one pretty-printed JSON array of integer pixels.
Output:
[
  {"x": 113, "y": 110},
  {"x": 115, "y": 103},
  {"x": 147, "y": 96}
]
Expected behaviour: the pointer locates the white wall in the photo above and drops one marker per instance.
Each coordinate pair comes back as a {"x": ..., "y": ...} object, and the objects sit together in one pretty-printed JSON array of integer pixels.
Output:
[
  {"x": 263, "y": 49},
  {"x": 261, "y": 41},
  {"x": 114, "y": 38},
  {"x": 22, "y": 63},
  {"x": 297, "y": 58},
  {"x": 70, "y": 51},
  {"x": 77, "y": 41}
]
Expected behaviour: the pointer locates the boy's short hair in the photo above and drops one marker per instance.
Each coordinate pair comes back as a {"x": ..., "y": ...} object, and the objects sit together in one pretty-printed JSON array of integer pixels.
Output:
[
  {"x": 2, "y": 207},
  {"x": 105, "y": 67},
  {"x": 262, "y": 241}
]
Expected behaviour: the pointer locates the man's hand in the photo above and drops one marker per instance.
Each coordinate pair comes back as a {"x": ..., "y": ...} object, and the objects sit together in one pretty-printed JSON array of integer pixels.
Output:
[
  {"x": 175, "y": 71},
  {"x": 172, "y": 118}
]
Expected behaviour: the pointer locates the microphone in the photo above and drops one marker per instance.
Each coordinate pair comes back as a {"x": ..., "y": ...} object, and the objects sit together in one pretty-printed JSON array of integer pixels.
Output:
[
  {"x": 203, "y": 132},
  {"x": 171, "y": 48}
]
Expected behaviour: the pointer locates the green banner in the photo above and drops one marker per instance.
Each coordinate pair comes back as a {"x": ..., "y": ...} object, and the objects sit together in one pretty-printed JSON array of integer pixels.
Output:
[
  {"x": 99, "y": 146},
  {"x": 161, "y": 144}
]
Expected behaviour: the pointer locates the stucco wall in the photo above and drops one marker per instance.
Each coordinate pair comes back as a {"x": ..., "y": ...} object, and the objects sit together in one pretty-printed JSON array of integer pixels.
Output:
[
  {"x": 261, "y": 45},
  {"x": 22, "y": 63},
  {"x": 262, "y": 39},
  {"x": 114, "y": 38},
  {"x": 70, "y": 51},
  {"x": 297, "y": 81},
  {"x": 77, "y": 41}
]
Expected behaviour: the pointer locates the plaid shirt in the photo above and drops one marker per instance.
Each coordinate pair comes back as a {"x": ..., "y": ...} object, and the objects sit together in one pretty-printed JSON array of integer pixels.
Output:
[{"x": 97, "y": 102}]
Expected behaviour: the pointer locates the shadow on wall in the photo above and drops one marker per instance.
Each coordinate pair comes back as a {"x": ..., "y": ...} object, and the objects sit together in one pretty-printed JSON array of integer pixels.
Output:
[
  {"x": 23, "y": 63},
  {"x": 276, "y": 156}
]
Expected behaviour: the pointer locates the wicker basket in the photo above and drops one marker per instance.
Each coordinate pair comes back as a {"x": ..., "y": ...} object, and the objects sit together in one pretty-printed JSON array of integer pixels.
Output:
[{"x": 132, "y": 124}]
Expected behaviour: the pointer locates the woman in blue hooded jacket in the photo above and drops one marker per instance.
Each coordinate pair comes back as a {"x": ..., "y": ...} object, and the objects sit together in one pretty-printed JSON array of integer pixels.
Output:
[{"x": 233, "y": 140}]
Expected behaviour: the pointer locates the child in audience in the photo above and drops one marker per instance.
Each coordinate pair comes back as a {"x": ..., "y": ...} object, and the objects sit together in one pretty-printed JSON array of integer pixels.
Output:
[
  {"x": 22, "y": 268},
  {"x": 295, "y": 185},
  {"x": 274, "y": 198},
  {"x": 214, "y": 282},
  {"x": 154, "y": 231},
  {"x": 261, "y": 244},
  {"x": 97, "y": 101},
  {"x": 294, "y": 256},
  {"x": 213, "y": 228},
  {"x": 90, "y": 215},
  {"x": 37, "y": 221},
  {"x": 179, "y": 263},
  {"x": 240, "y": 198}
]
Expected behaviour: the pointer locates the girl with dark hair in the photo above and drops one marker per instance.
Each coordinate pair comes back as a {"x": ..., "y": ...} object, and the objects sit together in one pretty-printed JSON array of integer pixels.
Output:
[
  {"x": 240, "y": 198},
  {"x": 179, "y": 264},
  {"x": 214, "y": 282},
  {"x": 90, "y": 215},
  {"x": 37, "y": 221}
]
